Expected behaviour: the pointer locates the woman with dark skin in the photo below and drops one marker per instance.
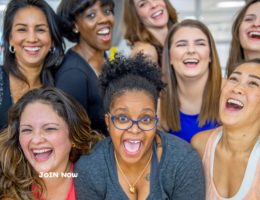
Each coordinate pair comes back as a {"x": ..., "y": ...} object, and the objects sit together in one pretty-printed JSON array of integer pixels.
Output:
[
  {"x": 33, "y": 48},
  {"x": 89, "y": 23},
  {"x": 137, "y": 161}
]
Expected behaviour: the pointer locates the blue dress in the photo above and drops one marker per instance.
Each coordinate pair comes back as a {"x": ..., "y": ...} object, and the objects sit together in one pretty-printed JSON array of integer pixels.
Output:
[{"x": 190, "y": 126}]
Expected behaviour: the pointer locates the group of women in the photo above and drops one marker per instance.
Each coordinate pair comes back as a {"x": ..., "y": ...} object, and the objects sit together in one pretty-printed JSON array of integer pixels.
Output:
[{"x": 56, "y": 108}]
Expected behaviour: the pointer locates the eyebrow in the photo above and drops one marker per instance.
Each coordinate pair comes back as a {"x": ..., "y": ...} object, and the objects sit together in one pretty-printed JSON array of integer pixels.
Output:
[
  {"x": 19, "y": 24},
  {"x": 238, "y": 73},
  {"x": 197, "y": 40},
  {"x": 253, "y": 76},
  {"x": 147, "y": 109},
  {"x": 251, "y": 15},
  {"x": 25, "y": 125},
  {"x": 50, "y": 124}
]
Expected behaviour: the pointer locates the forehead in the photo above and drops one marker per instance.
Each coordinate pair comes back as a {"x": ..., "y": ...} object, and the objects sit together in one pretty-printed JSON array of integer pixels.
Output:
[
  {"x": 37, "y": 112},
  {"x": 249, "y": 68},
  {"x": 253, "y": 9},
  {"x": 30, "y": 16},
  {"x": 189, "y": 33},
  {"x": 134, "y": 100}
]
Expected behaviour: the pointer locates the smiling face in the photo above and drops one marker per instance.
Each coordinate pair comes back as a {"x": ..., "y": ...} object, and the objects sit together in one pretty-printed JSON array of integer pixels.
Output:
[
  {"x": 30, "y": 37},
  {"x": 249, "y": 30},
  {"x": 190, "y": 53},
  {"x": 240, "y": 97},
  {"x": 153, "y": 14},
  {"x": 95, "y": 27},
  {"x": 133, "y": 144},
  {"x": 44, "y": 138}
]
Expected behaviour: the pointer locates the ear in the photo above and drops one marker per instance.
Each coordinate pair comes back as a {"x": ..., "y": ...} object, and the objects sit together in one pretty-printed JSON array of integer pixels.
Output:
[
  {"x": 76, "y": 27},
  {"x": 107, "y": 120}
]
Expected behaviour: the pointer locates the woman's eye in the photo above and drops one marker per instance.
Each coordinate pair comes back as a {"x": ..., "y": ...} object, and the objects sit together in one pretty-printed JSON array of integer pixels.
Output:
[
  {"x": 201, "y": 44},
  {"x": 146, "y": 119},
  {"x": 233, "y": 79},
  {"x": 92, "y": 15},
  {"x": 107, "y": 11},
  {"x": 254, "y": 83},
  {"x": 40, "y": 30},
  {"x": 51, "y": 129},
  {"x": 248, "y": 19},
  {"x": 123, "y": 119},
  {"x": 143, "y": 4},
  {"x": 21, "y": 29},
  {"x": 181, "y": 45},
  {"x": 26, "y": 130}
]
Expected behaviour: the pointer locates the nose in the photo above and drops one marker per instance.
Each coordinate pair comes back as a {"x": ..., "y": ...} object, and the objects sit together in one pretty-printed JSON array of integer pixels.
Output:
[
  {"x": 154, "y": 3},
  {"x": 37, "y": 137},
  {"x": 103, "y": 19},
  {"x": 31, "y": 36},
  {"x": 134, "y": 129},
  {"x": 257, "y": 23},
  {"x": 239, "y": 89},
  {"x": 191, "y": 49}
]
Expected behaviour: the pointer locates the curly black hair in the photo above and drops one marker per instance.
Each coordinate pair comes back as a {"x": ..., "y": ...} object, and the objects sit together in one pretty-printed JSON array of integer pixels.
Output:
[{"x": 127, "y": 74}]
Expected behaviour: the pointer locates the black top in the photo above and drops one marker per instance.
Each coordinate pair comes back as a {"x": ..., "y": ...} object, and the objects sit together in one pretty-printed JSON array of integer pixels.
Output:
[
  {"x": 76, "y": 77},
  {"x": 6, "y": 100}
]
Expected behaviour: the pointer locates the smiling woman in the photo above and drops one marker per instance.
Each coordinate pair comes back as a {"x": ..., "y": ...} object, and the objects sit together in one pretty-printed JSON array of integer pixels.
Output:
[
  {"x": 48, "y": 131},
  {"x": 33, "y": 47},
  {"x": 137, "y": 161},
  {"x": 89, "y": 23},
  {"x": 231, "y": 153}
]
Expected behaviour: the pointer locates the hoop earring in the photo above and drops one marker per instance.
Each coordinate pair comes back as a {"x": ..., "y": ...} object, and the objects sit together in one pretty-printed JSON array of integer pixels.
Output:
[
  {"x": 52, "y": 50},
  {"x": 11, "y": 49}
]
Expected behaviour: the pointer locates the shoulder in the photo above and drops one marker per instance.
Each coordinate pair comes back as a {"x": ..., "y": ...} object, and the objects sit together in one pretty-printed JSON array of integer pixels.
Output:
[
  {"x": 146, "y": 48},
  {"x": 199, "y": 141}
]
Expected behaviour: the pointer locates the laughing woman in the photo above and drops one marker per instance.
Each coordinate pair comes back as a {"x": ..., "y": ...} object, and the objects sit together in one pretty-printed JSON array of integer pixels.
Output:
[
  {"x": 48, "y": 131},
  {"x": 245, "y": 44},
  {"x": 33, "y": 48},
  {"x": 137, "y": 161},
  {"x": 89, "y": 23},
  {"x": 231, "y": 154}
]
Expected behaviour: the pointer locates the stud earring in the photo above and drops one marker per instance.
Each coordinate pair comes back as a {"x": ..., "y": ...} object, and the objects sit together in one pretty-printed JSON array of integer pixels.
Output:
[
  {"x": 11, "y": 49},
  {"x": 76, "y": 31},
  {"x": 108, "y": 128},
  {"x": 73, "y": 145}
]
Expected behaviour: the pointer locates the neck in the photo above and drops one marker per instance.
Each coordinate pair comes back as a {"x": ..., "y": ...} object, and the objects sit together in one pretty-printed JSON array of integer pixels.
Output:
[
  {"x": 94, "y": 57},
  {"x": 239, "y": 140},
  {"x": 190, "y": 92},
  {"x": 249, "y": 55},
  {"x": 160, "y": 33}
]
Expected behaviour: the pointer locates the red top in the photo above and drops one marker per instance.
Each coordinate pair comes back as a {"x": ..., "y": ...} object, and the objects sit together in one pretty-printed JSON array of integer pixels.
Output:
[{"x": 71, "y": 194}]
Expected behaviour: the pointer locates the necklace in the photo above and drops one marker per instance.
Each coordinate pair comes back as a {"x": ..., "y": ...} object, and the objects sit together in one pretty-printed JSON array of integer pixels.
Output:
[{"x": 131, "y": 187}]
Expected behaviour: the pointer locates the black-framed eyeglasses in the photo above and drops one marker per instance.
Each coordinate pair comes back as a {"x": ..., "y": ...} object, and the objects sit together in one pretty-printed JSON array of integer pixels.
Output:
[{"x": 124, "y": 123}]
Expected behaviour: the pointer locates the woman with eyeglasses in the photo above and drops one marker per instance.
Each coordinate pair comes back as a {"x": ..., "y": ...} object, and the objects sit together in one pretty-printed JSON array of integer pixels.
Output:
[{"x": 137, "y": 161}]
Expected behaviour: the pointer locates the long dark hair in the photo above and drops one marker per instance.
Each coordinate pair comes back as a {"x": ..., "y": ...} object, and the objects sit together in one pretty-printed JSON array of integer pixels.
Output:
[
  {"x": 69, "y": 10},
  {"x": 170, "y": 103},
  {"x": 236, "y": 53},
  {"x": 52, "y": 60},
  {"x": 17, "y": 176}
]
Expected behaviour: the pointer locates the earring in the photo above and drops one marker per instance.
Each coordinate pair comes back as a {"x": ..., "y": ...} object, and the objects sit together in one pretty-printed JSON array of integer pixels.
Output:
[
  {"x": 11, "y": 49},
  {"x": 108, "y": 128},
  {"x": 52, "y": 49},
  {"x": 76, "y": 31},
  {"x": 73, "y": 145}
]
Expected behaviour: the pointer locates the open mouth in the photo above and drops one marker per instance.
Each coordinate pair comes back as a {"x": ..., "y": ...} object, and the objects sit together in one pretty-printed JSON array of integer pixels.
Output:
[
  {"x": 191, "y": 62},
  {"x": 42, "y": 154},
  {"x": 234, "y": 105},
  {"x": 104, "y": 34},
  {"x": 157, "y": 15},
  {"x": 132, "y": 147},
  {"x": 32, "y": 50},
  {"x": 254, "y": 35}
]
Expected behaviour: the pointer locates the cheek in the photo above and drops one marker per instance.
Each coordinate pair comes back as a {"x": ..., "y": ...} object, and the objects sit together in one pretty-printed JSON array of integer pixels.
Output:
[
  {"x": 242, "y": 33},
  {"x": 176, "y": 55},
  {"x": 24, "y": 142}
]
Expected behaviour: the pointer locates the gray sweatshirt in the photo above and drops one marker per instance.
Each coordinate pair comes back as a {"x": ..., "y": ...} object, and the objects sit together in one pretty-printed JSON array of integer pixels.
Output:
[{"x": 179, "y": 175}]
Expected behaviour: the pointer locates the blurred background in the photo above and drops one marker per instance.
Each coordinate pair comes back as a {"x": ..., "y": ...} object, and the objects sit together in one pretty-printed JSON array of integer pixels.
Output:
[{"x": 218, "y": 15}]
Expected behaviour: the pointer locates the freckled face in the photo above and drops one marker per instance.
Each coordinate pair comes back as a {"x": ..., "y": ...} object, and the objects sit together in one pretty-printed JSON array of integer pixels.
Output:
[
  {"x": 31, "y": 37},
  {"x": 240, "y": 97},
  {"x": 134, "y": 105},
  {"x": 95, "y": 27},
  {"x": 153, "y": 14},
  {"x": 249, "y": 30},
  {"x": 44, "y": 138},
  {"x": 190, "y": 53}
]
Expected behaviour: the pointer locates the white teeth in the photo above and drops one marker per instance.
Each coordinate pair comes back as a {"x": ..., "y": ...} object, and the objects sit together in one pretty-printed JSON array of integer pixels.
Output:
[
  {"x": 254, "y": 33},
  {"x": 157, "y": 14},
  {"x": 191, "y": 61},
  {"x": 235, "y": 102},
  {"x": 32, "y": 49},
  {"x": 136, "y": 141},
  {"x": 41, "y": 151},
  {"x": 104, "y": 31}
]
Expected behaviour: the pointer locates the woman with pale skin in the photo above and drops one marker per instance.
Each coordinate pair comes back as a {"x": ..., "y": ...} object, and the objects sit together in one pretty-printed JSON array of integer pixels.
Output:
[
  {"x": 245, "y": 44},
  {"x": 48, "y": 131},
  {"x": 33, "y": 48},
  {"x": 231, "y": 153},
  {"x": 192, "y": 72},
  {"x": 147, "y": 23}
]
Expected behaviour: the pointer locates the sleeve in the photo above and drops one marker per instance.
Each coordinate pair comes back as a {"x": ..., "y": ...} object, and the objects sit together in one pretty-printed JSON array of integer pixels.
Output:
[
  {"x": 190, "y": 180},
  {"x": 84, "y": 187},
  {"x": 75, "y": 83}
]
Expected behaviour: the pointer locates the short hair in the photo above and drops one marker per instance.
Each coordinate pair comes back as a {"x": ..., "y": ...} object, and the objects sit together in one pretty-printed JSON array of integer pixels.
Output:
[
  {"x": 69, "y": 10},
  {"x": 129, "y": 74},
  {"x": 17, "y": 176},
  {"x": 209, "y": 109},
  {"x": 52, "y": 60},
  {"x": 236, "y": 52}
]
